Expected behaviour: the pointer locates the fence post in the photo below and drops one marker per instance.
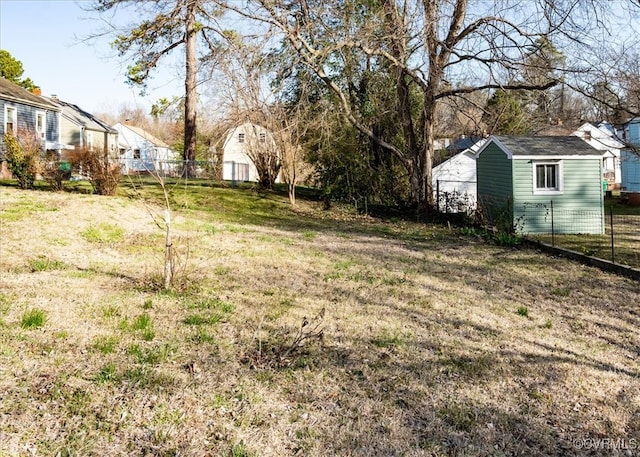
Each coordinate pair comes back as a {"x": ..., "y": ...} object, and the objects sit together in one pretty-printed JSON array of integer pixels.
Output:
[
  {"x": 613, "y": 251},
  {"x": 553, "y": 232}
]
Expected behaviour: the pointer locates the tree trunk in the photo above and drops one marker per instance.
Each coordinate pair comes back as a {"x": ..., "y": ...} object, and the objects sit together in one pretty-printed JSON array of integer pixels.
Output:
[
  {"x": 190, "y": 100},
  {"x": 168, "y": 251},
  {"x": 426, "y": 155}
]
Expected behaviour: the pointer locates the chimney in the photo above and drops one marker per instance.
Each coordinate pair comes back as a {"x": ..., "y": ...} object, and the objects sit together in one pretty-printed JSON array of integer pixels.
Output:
[
  {"x": 36, "y": 91},
  {"x": 54, "y": 97}
]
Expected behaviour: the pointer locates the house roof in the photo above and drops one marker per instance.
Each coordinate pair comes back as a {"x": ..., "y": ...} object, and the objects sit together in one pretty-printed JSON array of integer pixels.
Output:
[
  {"x": 13, "y": 92},
  {"x": 542, "y": 146},
  {"x": 82, "y": 118},
  {"x": 600, "y": 137},
  {"x": 146, "y": 135},
  {"x": 462, "y": 143}
]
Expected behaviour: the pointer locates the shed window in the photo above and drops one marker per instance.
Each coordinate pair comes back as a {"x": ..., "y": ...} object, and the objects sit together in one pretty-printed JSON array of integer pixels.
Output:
[
  {"x": 10, "y": 120},
  {"x": 547, "y": 177},
  {"x": 136, "y": 153},
  {"x": 240, "y": 137}
]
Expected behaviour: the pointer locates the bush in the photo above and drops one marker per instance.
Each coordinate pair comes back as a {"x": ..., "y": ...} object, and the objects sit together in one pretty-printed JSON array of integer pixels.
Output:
[
  {"x": 22, "y": 154},
  {"x": 95, "y": 165},
  {"x": 54, "y": 172}
]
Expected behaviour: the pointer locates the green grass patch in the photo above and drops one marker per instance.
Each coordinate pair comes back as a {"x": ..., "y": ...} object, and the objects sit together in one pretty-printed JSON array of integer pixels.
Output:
[
  {"x": 42, "y": 263},
  {"x": 459, "y": 417},
  {"x": 389, "y": 339},
  {"x": 34, "y": 318},
  {"x": 103, "y": 233},
  {"x": 561, "y": 291},
  {"x": 309, "y": 235},
  {"x": 152, "y": 355},
  {"x": 523, "y": 311},
  {"x": 105, "y": 344},
  {"x": 201, "y": 336},
  {"x": 142, "y": 322},
  {"x": 241, "y": 450},
  {"x": 208, "y": 311},
  {"x": 199, "y": 319},
  {"x": 23, "y": 208},
  {"x": 107, "y": 373}
]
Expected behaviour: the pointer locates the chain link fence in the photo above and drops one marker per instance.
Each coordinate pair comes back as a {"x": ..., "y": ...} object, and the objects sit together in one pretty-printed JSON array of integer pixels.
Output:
[
  {"x": 608, "y": 236},
  {"x": 207, "y": 169},
  {"x": 454, "y": 197}
]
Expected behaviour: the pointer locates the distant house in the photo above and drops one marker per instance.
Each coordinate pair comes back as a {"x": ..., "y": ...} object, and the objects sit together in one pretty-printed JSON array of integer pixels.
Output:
[
  {"x": 536, "y": 184},
  {"x": 241, "y": 144},
  {"x": 81, "y": 130},
  {"x": 454, "y": 181},
  {"x": 630, "y": 162},
  {"x": 141, "y": 152},
  {"x": 462, "y": 143},
  {"x": 26, "y": 113},
  {"x": 602, "y": 137}
]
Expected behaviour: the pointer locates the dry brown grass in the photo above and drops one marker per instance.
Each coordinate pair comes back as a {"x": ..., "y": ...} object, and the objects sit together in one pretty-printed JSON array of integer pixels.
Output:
[{"x": 425, "y": 351}]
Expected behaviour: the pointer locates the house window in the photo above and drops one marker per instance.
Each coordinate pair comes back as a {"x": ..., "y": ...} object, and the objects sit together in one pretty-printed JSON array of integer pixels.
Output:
[
  {"x": 547, "y": 177},
  {"x": 10, "y": 120},
  {"x": 263, "y": 137},
  {"x": 240, "y": 137},
  {"x": 90, "y": 141},
  {"x": 136, "y": 153},
  {"x": 41, "y": 125}
]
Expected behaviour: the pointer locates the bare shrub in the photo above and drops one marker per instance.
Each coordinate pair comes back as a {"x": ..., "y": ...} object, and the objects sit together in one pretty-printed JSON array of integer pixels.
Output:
[
  {"x": 53, "y": 171},
  {"x": 22, "y": 153},
  {"x": 95, "y": 165},
  {"x": 284, "y": 346}
]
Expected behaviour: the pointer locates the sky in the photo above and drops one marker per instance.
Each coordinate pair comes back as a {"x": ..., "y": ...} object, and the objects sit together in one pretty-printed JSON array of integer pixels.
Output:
[{"x": 45, "y": 36}]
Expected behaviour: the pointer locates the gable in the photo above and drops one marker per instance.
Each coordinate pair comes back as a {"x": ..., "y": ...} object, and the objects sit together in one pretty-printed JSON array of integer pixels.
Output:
[{"x": 460, "y": 166}]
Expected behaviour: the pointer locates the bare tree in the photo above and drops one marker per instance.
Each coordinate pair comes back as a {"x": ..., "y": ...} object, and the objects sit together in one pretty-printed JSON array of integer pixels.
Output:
[
  {"x": 437, "y": 50},
  {"x": 272, "y": 131}
]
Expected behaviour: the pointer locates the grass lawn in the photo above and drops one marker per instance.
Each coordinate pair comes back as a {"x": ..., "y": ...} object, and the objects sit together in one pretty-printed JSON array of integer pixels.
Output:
[{"x": 300, "y": 332}]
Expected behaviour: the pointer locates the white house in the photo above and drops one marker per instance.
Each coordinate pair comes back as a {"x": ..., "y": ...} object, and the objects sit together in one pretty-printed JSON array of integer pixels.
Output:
[
  {"x": 142, "y": 152},
  {"x": 603, "y": 138},
  {"x": 454, "y": 181},
  {"x": 240, "y": 144}
]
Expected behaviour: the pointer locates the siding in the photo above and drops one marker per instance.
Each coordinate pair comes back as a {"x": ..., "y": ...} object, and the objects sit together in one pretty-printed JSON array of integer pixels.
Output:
[
  {"x": 70, "y": 133},
  {"x": 237, "y": 165},
  {"x": 53, "y": 122},
  {"x": 26, "y": 119},
  {"x": 634, "y": 132},
  {"x": 630, "y": 164},
  {"x": 495, "y": 182},
  {"x": 578, "y": 209}
]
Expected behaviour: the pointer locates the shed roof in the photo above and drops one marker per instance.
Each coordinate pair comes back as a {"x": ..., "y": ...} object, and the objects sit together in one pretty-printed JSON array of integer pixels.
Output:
[
  {"x": 542, "y": 146},
  {"x": 12, "y": 92}
]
